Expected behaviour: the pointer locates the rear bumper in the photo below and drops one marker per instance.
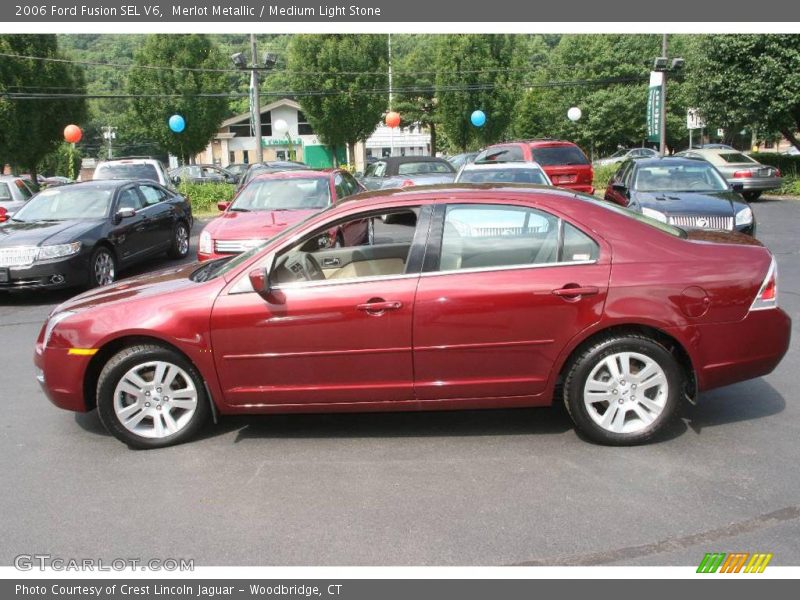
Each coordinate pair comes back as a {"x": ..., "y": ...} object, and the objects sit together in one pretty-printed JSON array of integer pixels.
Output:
[
  {"x": 726, "y": 353},
  {"x": 583, "y": 189},
  {"x": 759, "y": 184},
  {"x": 61, "y": 376}
]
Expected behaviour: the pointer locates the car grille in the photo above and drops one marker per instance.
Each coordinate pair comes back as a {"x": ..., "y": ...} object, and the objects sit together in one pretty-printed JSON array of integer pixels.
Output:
[
  {"x": 234, "y": 246},
  {"x": 19, "y": 256},
  {"x": 702, "y": 222}
]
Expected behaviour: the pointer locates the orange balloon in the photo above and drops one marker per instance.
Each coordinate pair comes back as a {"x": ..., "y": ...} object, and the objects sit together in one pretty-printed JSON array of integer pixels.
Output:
[
  {"x": 392, "y": 119},
  {"x": 72, "y": 134}
]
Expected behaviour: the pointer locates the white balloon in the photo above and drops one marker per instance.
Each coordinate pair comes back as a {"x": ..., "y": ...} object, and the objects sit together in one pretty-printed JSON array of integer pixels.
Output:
[
  {"x": 280, "y": 126},
  {"x": 574, "y": 113}
]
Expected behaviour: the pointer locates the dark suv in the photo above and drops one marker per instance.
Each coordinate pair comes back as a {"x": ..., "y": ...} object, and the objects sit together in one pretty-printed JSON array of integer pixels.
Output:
[{"x": 565, "y": 163}]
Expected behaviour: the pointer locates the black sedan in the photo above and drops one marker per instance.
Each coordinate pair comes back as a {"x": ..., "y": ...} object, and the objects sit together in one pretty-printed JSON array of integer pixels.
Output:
[
  {"x": 403, "y": 171},
  {"x": 83, "y": 234},
  {"x": 686, "y": 192}
]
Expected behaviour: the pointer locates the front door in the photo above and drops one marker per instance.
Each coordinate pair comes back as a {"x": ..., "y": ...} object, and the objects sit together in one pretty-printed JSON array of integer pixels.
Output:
[
  {"x": 512, "y": 286},
  {"x": 335, "y": 329}
]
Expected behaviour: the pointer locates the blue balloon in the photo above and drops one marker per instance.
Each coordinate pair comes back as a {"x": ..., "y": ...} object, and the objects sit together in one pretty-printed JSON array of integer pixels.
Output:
[
  {"x": 478, "y": 118},
  {"x": 177, "y": 123}
]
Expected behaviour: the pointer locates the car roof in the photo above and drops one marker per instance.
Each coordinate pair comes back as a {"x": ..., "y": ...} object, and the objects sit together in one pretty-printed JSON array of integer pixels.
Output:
[
  {"x": 670, "y": 160},
  {"x": 444, "y": 190},
  {"x": 409, "y": 159},
  {"x": 499, "y": 164},
  {"x": 130, "y": 161},
  {"x": 107, "y": 183}
]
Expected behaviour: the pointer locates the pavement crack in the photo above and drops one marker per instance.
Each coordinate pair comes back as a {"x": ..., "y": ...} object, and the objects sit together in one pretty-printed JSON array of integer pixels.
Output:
[{"x": 788, "y": 513}]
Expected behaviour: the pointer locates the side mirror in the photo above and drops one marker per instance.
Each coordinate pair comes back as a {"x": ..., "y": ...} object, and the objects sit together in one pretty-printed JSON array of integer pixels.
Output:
[
  {"x": 223, "y": 206},
  {"x": 619, "y": 187},
  {"x": 176, "y": 180},
  {"x": 125, "y": 213},
  {"x": 737, "y": 186},
  {"x": 259, "y": 279}
]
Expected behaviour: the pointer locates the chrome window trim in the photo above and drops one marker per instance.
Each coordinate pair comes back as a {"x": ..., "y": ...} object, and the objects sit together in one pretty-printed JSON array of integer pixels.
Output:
[{"x": 511, "y": 267}]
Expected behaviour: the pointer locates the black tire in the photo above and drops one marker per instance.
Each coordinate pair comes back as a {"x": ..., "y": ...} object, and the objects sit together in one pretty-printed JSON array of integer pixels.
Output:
[
  {"x": 590, "y": 357},
  {"x": 180, "y": 245},
  {"x": 102, "y": 256},
  {"x": 118, "y": 366},
  {"x": 751, "y": 196}
]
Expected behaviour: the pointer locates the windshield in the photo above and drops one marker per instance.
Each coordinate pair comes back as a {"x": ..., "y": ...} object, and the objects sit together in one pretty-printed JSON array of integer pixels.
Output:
[
  {"x": 501, "y": 175},
  {"x": 700, "y": 177},
  {"x": 284, "y": 194},
  {"x": 61, "y": 204},
  {"x": 559, "y": 155},
  {"x": 126, "y": 171}
]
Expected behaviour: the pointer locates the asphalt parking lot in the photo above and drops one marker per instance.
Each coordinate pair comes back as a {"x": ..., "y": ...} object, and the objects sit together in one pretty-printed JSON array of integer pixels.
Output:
[{"x": 461, "y": 488}]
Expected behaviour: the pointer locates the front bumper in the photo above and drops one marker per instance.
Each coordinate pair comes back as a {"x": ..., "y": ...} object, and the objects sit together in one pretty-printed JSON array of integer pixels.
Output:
[
  {"x": 55, "y": 274},
  {"x": 61, "y": 376}
]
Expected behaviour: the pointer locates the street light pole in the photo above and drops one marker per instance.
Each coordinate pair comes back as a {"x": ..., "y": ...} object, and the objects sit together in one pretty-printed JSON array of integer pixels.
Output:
[
  {"x": 662, "y": 119},
  {"x": 256, "y": 108}
]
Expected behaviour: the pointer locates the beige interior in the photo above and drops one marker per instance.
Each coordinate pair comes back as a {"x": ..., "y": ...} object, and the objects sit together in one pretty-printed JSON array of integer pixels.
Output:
[{"x": 367, "y": 268}]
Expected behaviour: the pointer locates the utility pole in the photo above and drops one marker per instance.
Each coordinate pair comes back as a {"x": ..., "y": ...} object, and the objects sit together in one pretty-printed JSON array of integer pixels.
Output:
[
  {"x": 256, "y": 108},
  {"x": 391, "y": 98},
  {"x": 109, "y": 133},
  {"x": 662, "y": 119}
]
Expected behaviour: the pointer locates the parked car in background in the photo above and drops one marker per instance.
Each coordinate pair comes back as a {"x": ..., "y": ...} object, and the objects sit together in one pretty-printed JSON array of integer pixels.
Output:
[
  {"x": 56, "y": 180},
  {"x": 524, "y": 172},
  {"x": 740, "y": 168},
  {"x": 83, "y": 234},
  {"x": 34, "y": 186},
  {"x": 565, "y": 163},
  {"x": 625, "y": 316},
  {"x": 686, "y": 192},
  {"x": 459, "y": 160},
  {"x": 272, "y": 166},
  {"x": 14, "y": 193},
  {"x": 625, "y": 154},
  {"x": 201, "y": 174},
  {"x": 713, "y": 146},
  {"x": 404, "y": 171},
  {"x": 270, "y": 203},
  {"x": 133, "y": 168},
  {"x": 237, "y": 169}
]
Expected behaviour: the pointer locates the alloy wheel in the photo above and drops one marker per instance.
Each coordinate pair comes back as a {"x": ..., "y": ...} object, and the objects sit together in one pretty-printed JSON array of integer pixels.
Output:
[{"x": 104, "y": 271}]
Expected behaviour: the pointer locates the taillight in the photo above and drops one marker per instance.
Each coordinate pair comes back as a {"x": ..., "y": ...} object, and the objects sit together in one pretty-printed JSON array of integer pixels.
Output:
[
  {"x": 407, "y": 183},
  {"x": 742, "y": 174},
  {"x": 767, "y": 296},
  {"x": 777, "y": 172}
]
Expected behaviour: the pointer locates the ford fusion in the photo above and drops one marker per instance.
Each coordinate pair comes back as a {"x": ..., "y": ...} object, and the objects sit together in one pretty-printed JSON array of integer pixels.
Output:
[{"x": 469, "y": 297}]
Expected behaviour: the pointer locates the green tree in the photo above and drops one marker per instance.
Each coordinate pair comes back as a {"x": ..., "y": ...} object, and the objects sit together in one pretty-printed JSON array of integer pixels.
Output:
[
  {"x": 34, "y": 128},
  {"x": 745, "y": 80},
  {"x": 477, "y": 72},
  {"x": 150, "y": 113},
  {"x": 415, "y": 81},
  {"x": 340, "y": 81}
]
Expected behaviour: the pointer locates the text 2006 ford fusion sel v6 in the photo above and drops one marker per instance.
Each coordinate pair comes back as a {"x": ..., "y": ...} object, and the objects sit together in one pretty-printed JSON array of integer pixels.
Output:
[{"x": 465, "y": 297}]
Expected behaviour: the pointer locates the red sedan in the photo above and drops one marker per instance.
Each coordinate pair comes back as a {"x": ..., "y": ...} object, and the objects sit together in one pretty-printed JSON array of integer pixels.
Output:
[
  {"x": 467, "y": 297},
  {"x": 270, "y": 203}
]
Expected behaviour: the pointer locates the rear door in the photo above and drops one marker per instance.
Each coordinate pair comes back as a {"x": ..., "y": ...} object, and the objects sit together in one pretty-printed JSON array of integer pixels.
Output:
[
  {"x": 504, "y": 288},
  {"x": 160, "y": 216},
  {"x": 131, "y": 235}
]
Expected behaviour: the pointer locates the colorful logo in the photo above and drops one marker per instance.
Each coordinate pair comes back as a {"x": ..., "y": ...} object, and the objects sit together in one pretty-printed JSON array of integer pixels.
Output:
[{"x": 734, "y": 562}]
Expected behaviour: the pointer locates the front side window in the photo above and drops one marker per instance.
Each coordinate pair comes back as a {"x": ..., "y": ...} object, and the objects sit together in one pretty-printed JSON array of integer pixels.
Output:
[
  {"x": 151, "y": 194},
  {"x": 492, "y": 236}
]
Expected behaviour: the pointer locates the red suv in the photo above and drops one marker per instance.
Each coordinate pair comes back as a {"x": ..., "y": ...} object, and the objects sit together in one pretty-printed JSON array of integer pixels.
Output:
[{"x": 565, "y": 163}]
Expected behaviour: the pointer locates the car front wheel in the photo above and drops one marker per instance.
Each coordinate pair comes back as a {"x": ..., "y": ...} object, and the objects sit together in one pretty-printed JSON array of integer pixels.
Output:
[
  {"x": 151, "y": 397},
  {"x": 103, "y": 267},
  {"x": 750, "y": 196},
  {"x": 180, "y": 241},
  {"x": 623, "y": 390}
]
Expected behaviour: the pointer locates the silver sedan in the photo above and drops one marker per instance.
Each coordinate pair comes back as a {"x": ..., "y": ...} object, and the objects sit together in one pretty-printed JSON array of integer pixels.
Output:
[{"x": 740, "y": 168}]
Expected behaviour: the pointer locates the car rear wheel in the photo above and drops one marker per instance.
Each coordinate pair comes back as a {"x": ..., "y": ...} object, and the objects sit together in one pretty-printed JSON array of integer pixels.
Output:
[
  {"x": 623, "y": 390},
  {"x": 750, "y": 196},
  {"x": 151, "y": 397},
  {"x": 180, "y": 241},
  {"x": 102, "y": 267}
]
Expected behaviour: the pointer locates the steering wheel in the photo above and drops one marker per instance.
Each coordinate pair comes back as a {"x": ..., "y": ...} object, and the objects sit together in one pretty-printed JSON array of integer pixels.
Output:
[
  {"x": 311, "y": 268},
  {"x": 696, "y": 184}
]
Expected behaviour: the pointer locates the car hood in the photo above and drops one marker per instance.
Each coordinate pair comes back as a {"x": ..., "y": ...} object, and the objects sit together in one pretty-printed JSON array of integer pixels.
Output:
[
  {"x": 36, "y": 233},
  {"x": 690, "y": 203},
  {"x": 233, "y": 225}
]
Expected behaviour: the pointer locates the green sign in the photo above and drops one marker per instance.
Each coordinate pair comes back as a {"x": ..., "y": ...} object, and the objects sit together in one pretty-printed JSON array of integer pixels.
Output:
[
  {"x": 280, "y": 141},
  {"x": 654, "y": 107}
]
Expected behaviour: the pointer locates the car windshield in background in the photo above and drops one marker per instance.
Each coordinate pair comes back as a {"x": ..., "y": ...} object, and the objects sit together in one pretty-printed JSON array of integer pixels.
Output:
[
  {"x": 423, "y": 168},
  {"x": 61, "y": 204},
  {"x": 679, "y": 178},
  {"x": 559, "y": 155},
  {"x": 501, "y": 175},
  {"x": 126, "y": 171},
  {"x": 735, "y": 157},
  {"x": 284, "y": 194}
]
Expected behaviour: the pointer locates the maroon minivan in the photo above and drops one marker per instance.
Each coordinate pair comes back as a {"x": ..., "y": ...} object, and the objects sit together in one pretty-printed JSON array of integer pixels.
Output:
[{"x": 564, "y": 162}]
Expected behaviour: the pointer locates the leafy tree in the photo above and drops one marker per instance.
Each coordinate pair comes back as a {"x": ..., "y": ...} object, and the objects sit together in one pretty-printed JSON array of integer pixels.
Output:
[
  {"x": 416, "y": 100},
  {"x": 58, "y": 162},
  {"x": 477, "y": 72},
  {"x": 34, "y": 128},
  {"x": 743, "y": 80},
  {"x": 340, "y": 81},
  {"x": 150, "y": 114}
]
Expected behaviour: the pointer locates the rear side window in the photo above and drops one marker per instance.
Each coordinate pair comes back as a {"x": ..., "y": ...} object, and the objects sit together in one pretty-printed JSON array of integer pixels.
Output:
[
  {"x": 501, "y": 154},
  {"x": 559, "y": 155},
  {"x": 5, "y": 193},
  {"x": 420, "y": 168}
]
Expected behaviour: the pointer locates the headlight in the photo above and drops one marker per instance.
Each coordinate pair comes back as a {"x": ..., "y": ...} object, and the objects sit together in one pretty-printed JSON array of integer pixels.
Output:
[
  {"x": 206, "y": 245},
  {"x": 744, "y": 216},
  {"x": 654, "y": 214},
  {"x": 52, "y": 322},
  {"x": 58, "y": 251}
]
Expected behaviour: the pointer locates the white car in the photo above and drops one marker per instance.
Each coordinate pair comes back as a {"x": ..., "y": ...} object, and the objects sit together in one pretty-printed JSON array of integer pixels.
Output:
[
  {"x": 503, "y": 172},
  {"x": 624, "y": 154},
  {"x": 133, "y": 168}
]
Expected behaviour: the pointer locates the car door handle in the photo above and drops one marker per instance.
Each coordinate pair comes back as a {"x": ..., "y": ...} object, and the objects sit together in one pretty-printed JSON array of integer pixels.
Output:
[
  {"x": 379, "y": 306},
  {"x": 574, "y": 292}
]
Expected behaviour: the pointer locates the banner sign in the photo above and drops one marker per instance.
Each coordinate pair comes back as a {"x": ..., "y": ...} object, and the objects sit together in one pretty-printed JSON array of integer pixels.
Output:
[{"x": 654, "y": 100}]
